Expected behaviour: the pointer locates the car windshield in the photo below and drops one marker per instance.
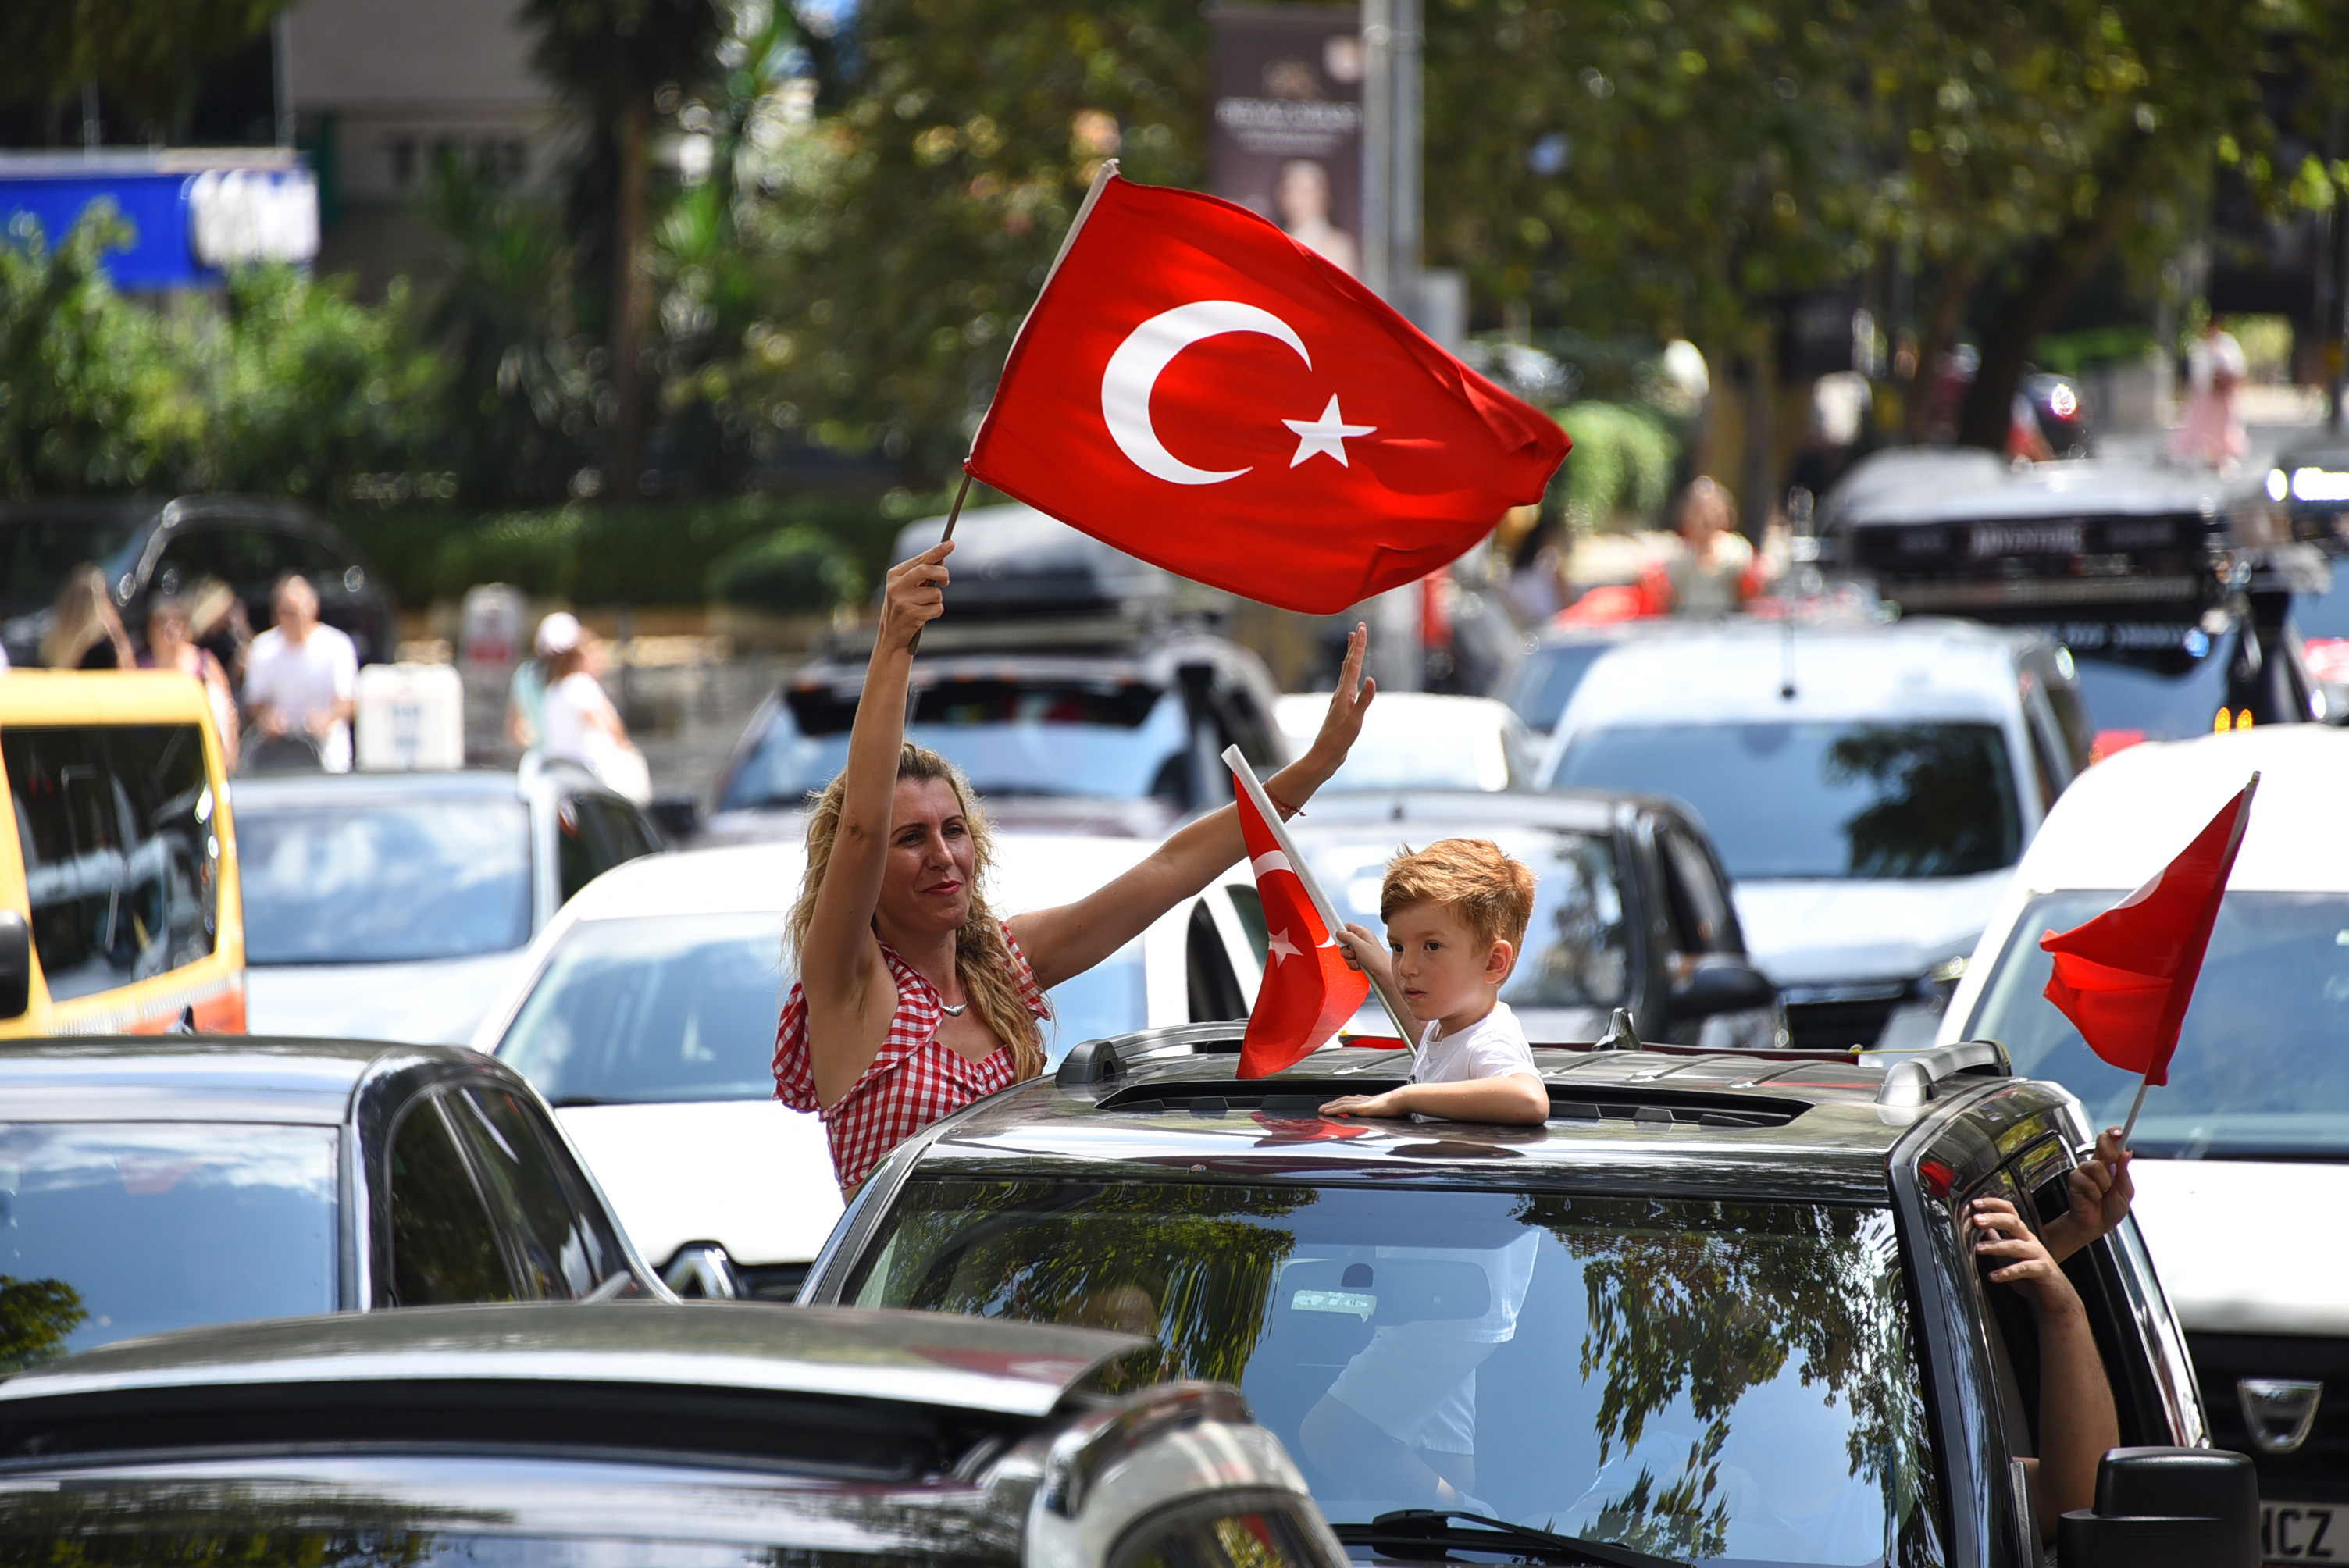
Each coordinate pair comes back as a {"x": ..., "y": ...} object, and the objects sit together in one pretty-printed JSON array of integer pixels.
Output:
[
  {"x": 2325, "y": 615},
  {"x": 383, "y": 881},
  {"x": 1112, "y": 741},
  {"x": 1576, "y": 949},
  {"x": 2260, "y": 1071},
  {"x": 1545, "y": 681},
  {"x": 2154, "y": 694},
  {"x": 36, "y": 552},
  {"x": 682, "y": 1007},
  {"x": 1442, "y": 743},
  {"x": 1722, "y": 1380},
  {"x": 1816, "y": 800},
  {"x": 111, "y": 1230}
]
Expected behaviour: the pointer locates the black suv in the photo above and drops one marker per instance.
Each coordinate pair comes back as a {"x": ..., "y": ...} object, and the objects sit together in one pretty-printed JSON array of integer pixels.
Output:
[
  {"x": 1722, "y": 1307},
  {"x": 1061, "y": 680},
  {"x": 148, "y": 547}
]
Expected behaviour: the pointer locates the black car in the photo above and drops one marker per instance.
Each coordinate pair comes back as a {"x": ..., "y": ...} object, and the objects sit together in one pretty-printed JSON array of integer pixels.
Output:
[
  {"x": 1631, "y": 910},
  {"x": 1064, "y": 680},
  {"x": 2155, "y": 579},
  {"x": 149, "y": 549},
  {"x": 1723, "y": 1307},
  {"x": 688, "y": 1434},
  {"x": 153, "y": 1183}
]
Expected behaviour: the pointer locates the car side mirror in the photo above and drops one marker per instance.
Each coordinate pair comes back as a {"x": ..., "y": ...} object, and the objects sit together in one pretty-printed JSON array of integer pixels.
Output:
[
  {"x": 1722, "y": 983},
  {"x": 676, "y": 815},
  {"x": 2166, "y": 1508},
  {"x": 16, "y": 965}
]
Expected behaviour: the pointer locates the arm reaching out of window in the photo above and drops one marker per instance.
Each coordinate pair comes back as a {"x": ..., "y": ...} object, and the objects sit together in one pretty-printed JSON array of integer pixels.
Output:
[{"x": 2076, "y": 1419}]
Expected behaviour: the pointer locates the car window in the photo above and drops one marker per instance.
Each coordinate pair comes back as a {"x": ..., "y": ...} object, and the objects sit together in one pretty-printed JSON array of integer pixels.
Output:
[
  {"x": 580, "y": 856},
  {"x": 1214, "y": 986},
  {"x": 2170, "y": 692},
  {"x": 1701, "y": 915},
  {"x": 2259, "y": 1072},
  {"x": 121, "y": 865},
  {"x": 249, "y": 559},
  {"x": 675, "y": 1007},
  {"x": 2046, "y": 773},
  {"x": 1545, "y": 681},
  {"x": 444, "y": 1245},
  {"x": 2324, "y": 615},
  {"x": 1824, "y": 799},
  {"x": 383, "y": 881},
  {"x": 36, "y": 553},
  {"x": 1719, "y": 1380},
  {"x": 1217, "y": 1533},
  {"x": 111, "y": 1230},
  {"x": 567, "y": 1250},
  {"x": 618, "y": 833},
  {"x": 1111, "y": 739}
]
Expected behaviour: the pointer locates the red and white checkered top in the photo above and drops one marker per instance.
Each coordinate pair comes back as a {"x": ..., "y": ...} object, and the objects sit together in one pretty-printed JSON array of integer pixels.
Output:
[{"x": 914, "y": 1080}]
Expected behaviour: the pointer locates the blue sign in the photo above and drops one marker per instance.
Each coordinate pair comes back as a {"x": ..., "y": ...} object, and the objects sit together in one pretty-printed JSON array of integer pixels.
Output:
[{"x": 190, "y": 215}]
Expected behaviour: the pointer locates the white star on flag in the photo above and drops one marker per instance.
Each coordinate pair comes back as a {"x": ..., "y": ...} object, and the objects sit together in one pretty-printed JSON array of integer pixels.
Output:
[
  {"x": 1280, "y": 947},
  {"x": 1328, "y": 434}
]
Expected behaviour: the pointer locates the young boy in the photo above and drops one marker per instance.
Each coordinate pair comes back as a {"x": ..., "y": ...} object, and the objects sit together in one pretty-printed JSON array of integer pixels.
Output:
[{"x": 1456, "y": 914}]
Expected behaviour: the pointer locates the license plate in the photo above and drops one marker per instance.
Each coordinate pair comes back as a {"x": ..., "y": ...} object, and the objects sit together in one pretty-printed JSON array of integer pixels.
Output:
[{"x": 2305, "y": 1532}]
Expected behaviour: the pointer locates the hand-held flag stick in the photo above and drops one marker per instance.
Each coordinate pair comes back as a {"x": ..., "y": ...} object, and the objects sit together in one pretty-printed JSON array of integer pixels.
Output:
[{"x": 1245, "y": 774}]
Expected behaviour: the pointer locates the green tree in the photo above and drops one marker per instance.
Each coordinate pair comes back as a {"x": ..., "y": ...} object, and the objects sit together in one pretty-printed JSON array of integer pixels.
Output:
[
  {"x": 612, "y": 61},
  {"x": 143, "y": 53}
]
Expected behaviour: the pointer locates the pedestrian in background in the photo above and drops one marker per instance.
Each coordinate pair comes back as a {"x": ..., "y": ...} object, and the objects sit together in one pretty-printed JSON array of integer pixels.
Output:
[
  {"x": 1710, "y": 574},
  {"x": 2208, "y": 431},
  {"x": 302, "y": 677},
  {"x": 85, "y": 630},
  {"x": 526, "y": 692},
  {"x": 171, "y": 645},
  {"x": 577, "y": 722}
]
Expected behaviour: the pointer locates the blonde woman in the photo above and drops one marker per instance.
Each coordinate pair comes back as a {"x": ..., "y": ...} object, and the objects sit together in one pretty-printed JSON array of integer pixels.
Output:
[
  {"x": 85, "y": 630},
  {"x": 914, "y": 999}
]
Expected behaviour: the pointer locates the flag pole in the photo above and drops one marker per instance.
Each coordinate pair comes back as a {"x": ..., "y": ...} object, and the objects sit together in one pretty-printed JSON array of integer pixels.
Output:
[
  {"x": 1238, "y": 763},
  {"x": 2134, "y": 1106}
]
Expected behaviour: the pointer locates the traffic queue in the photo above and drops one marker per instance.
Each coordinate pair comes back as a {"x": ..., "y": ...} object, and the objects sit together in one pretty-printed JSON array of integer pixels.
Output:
[{"x": 1744, "y": 1283}]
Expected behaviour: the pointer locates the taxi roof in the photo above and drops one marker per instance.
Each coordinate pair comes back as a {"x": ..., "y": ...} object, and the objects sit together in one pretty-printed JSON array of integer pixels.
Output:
[{"x": 2122, "y": 820}]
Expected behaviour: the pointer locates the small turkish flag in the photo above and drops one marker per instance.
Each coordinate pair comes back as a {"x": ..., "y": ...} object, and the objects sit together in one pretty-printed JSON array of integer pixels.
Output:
[
  {"x": 1200, "y": 390},
  {"x": 2125, "y": 978},
  {"x": 1309, "y": 989}
]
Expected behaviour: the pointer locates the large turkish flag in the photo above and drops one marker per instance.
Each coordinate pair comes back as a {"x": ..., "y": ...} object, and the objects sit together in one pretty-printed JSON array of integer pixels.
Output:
[{"x": 1200, "y": 390}]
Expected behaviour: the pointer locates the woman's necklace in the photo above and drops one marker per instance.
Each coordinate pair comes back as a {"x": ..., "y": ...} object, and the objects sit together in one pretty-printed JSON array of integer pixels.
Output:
[{"x": 952, "y": 1009}]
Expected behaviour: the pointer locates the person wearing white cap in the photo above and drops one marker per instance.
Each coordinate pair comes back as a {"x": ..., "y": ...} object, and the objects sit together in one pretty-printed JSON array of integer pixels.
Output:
[{"x": 526, "y": 695}]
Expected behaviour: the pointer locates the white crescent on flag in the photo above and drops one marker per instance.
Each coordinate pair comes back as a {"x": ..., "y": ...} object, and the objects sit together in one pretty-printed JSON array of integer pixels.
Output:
[{"x": 1272, "y": 861}]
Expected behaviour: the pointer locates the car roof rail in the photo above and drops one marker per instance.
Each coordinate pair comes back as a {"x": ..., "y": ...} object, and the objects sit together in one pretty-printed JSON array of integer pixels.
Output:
[
  {"x": 1912, "y": 1080},
  {"x": 1100, "y": 1061}
]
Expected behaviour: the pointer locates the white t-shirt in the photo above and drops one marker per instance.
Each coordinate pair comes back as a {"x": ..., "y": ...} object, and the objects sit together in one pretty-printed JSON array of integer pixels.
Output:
[
  {"x": 1493, "y": 1047},
  {"x": 298, "y": 681}
]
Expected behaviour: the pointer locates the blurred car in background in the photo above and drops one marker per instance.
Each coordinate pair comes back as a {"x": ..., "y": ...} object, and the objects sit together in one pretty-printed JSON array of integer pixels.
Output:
[
  {"x": 150, "y": 550},
  {"x": 1420, "y": 740},
  {"x": 1630, "y": 911},
  {"x": 587, "y": 1436},
  {"x": 398, "y": 905},
  {"x": 1060, "y": 681},
  {"x": 1554, "y": 665},
  {"x": 646, "y": 1014},
  {"x": 151, "y": 1184},
  {"x": 2249, "y": 1137},
  {"x": 1866, "y": 787}
]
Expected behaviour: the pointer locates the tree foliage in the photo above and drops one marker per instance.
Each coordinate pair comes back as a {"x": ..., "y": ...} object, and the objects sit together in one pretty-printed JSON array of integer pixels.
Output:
[{"x": 141, "y": 52}]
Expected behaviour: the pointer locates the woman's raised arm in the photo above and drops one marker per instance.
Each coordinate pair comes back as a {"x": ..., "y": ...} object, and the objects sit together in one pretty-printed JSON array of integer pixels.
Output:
[
  {"x": 840, "y": 957},
  {"x": 1073, "y": 937}
]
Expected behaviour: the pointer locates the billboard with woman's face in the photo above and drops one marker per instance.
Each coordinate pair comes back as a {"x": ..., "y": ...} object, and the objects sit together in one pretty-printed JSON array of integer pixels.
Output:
[{"x": 1288, "y": 138}]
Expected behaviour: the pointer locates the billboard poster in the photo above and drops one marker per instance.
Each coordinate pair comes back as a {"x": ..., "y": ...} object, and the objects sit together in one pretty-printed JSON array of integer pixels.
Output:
[{"x": 1287, "y": 138}]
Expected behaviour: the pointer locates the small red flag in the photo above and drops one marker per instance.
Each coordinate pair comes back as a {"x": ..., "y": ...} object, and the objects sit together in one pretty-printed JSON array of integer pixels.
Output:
[
  {"x": 1309, "y": 990},
  {"x": 1200, "y": 390},
  {"x": 2125, "y": 978}
]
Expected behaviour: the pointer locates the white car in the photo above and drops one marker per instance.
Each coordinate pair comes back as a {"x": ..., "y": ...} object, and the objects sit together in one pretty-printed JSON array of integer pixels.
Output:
[
  {"x": 2243, "y": 1156},
  {"x": 1420, "y": 740},
  {"x": 646, "y": 1015},
  {"x": 1868, "y": 788}
]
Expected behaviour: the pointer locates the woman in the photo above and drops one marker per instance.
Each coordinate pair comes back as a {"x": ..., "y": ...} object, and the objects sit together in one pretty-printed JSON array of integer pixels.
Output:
[
  {"x": 914, "y": 999},
  {"x": 84, "y": 632},
  {"x": 579, "y": 724},
  {"x": 171, "y": 645}
]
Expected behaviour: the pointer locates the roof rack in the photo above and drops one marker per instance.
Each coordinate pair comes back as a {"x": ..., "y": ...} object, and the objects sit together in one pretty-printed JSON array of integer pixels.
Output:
[
  {"x": 1100, "y": 1061},
  {"x": 1913, "y": 1079}
]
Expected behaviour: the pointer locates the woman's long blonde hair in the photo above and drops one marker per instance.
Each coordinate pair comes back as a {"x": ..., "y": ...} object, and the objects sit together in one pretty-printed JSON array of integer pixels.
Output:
[{"x": 982, "y": 957}]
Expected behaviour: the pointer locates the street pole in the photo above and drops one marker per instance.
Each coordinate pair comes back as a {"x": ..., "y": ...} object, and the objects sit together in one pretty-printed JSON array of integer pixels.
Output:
[{"x": 1391, "y": 265}]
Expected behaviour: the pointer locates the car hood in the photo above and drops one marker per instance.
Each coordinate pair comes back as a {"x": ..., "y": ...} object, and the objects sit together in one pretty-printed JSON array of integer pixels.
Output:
[
  {"x": 753, "y": 1175},
  {"x": 436, "y": 1003},
  {"x": 2233, "y": 1245},
  {"x": 1826, "y": 931}
]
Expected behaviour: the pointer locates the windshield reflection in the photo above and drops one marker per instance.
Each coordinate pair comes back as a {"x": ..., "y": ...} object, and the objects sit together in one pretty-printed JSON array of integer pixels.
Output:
[
  {"x": 1717, "y": 1380},
  {"x": 383, "y": 883}
]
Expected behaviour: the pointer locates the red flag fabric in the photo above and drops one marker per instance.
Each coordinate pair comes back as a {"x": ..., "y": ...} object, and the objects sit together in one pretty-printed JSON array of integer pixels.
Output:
[
  {"x": 2125, "y": 978},
  {"x": 1309, "y": 990},
  {"x": 1200, "y": 390}
]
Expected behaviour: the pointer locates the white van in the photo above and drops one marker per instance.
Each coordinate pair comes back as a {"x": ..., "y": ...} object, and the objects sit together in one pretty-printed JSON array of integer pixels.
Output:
[{"x": 2242, "y": 1169}]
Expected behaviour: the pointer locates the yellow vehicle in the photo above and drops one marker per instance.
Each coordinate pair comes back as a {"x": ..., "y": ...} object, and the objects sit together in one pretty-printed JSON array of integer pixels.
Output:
[{"x": 118, "y": 905}]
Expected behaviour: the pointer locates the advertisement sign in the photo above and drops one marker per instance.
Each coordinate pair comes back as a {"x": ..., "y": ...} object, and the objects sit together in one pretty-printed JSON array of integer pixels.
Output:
[
  {"x": 193, "y": 214},
  {"x": 1287, "y": 138}
]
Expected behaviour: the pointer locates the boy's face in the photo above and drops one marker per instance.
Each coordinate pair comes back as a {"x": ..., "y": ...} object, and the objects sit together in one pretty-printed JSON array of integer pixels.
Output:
[{"x": 1439, "y": 966}]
